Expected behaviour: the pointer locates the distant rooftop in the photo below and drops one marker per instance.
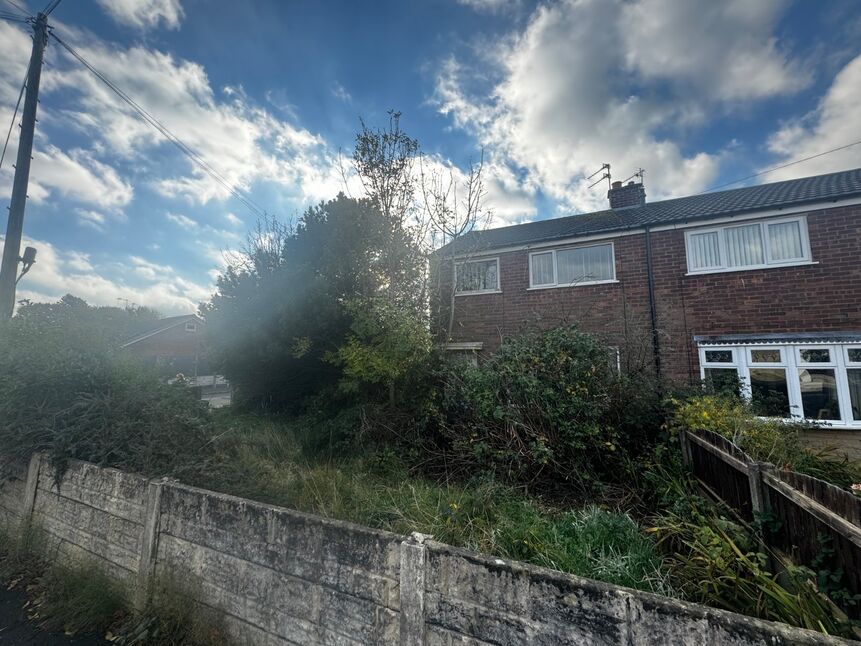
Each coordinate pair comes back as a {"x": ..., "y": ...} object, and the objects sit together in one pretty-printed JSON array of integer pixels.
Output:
[{"x": 832, "y": 187}]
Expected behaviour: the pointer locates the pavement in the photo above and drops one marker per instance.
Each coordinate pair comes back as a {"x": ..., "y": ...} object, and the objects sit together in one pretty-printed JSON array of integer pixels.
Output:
[{"x": 15, "y": 629}]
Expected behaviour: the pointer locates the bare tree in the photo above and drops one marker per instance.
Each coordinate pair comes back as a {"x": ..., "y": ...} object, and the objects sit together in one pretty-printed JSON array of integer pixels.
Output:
[{"x": 454, "y": 208}]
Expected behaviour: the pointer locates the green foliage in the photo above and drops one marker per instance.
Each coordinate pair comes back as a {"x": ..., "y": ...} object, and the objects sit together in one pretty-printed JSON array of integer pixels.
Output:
[
  {"x": 716, "y": 562},
  {"x": 283, "y": 306},
  {"x": 79, "y": 598},
  {"x": 378, "y": 489},
  {"x": 172, "y": 618},
  {"x": 547, "y": 406},
  {"x": 767, "y": 440},
  {"x": 74, "y": 396},
  {"x": 386, "y": 343}
]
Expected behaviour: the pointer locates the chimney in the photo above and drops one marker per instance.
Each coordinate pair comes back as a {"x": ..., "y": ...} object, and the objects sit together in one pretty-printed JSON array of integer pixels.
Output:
[{"x": 623, "y": 197}]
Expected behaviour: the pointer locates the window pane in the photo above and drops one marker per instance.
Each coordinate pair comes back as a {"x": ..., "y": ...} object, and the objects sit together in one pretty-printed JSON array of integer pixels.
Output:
[
  {"x": 585, "y": 264},
  {"x": 819, "y": 393},
  {"x": 477, "y": 276},
  {"x": 542, "y": 269},
  {"x": 784, "y": 240},
  {"x": 816, "y": 355},
  {"x": 718, "y": 356},
  {"x": 769, "y": 392},
  {"x": 705, "y": 252},
  {"x": 854, "y": 355},
  {"x": 854, "y": 376},
  {"x": 598, "y": 262},
  {"x": 569, "y": 266},
  {"x": 744, "y": 246},
  {"x": 723, "y": 380},
  {"x": 765, "y": 356}
]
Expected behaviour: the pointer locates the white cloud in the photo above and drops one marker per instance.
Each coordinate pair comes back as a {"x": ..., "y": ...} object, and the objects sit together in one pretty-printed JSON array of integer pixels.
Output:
[
  {"x": 78, "y": 175},
  {"x": 721, "y": 50},
  {"x": 341, "y": 93},
  {"x": 589, "y": 81},
  {"x": 144, "y": 14},
  {"x": 233, "y": 220},
  {"x": 834, "y": 123},
  {"x": 58, "y": 272},
  {"x": 183, "y": 221},
  {"x": 243, "y": 142},
  {"x": 491, "y": 5}
]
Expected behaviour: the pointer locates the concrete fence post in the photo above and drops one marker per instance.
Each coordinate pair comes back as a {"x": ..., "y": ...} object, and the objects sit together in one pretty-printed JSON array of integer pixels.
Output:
[
  {"x": 757, "y": 500},
  {"x": 149, "y": 545},
  {"x": 30, "y": 488},
  {"x": 412, "y": 590}
]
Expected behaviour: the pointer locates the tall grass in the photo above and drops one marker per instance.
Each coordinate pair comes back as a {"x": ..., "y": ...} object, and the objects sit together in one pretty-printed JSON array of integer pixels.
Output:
[{"x": 267, "y": 461}]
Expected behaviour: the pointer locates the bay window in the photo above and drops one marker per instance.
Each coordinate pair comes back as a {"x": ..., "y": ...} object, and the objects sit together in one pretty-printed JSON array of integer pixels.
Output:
[
  {"x": 813, "y": 380},
  {"x": 572, "y": 266},
  {"x": 751, "y": 245}
]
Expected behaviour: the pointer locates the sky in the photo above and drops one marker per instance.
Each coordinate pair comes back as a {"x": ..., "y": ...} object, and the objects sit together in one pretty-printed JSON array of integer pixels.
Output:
[{"x": 270, "y": 93}]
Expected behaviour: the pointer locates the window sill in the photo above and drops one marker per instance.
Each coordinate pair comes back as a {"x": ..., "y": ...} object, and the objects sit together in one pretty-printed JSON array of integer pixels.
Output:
[
  {"x": 758, "y": 268},
  {"x": 481, "y": 293},
  {"x": 590, "y": 283}
]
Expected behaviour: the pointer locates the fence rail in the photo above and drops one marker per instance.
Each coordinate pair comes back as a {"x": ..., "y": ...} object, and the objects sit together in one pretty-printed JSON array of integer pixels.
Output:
[{"x": 818, "y": 524}]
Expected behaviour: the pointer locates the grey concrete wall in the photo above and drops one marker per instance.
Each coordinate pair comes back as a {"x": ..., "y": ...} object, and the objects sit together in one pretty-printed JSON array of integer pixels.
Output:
[{"x": 279, "y": 577}]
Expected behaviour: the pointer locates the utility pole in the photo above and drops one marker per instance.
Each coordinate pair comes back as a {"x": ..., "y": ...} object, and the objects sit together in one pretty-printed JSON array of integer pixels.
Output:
[{"x": 15, "y": 226}]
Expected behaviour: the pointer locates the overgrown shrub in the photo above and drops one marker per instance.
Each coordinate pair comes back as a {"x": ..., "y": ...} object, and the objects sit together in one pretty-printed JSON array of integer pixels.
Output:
[
  {"x": 80, "y": 398},
  {"x": 767, "y": 440},
  {"x": 548, "y": 406}
]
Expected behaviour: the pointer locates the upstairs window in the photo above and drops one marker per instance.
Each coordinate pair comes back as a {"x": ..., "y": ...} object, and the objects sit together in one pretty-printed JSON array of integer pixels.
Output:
[
  {"x": 477, "y": 276},
  {"x": 574, "y": 266},
  {"x": 191, "y": 327},
  {"x": 748, "y": 246}
]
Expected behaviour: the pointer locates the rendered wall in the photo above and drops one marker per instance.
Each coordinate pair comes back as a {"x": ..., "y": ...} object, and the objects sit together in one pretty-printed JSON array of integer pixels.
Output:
[{"x": 280, "y": 577}]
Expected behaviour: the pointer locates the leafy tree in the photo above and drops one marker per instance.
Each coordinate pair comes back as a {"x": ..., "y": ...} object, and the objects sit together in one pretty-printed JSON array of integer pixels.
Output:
[{"x": 282, "y": 306}]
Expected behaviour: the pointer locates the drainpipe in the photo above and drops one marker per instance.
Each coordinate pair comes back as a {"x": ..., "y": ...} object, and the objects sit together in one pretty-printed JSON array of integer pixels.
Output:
[{"x": 653, "y": 312}]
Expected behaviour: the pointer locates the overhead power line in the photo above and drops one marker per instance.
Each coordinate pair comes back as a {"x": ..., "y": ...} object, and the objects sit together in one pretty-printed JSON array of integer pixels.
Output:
[
  {"x": 51, "y": 6},
  {"x": 11, "y": 17},
  {"x": 14, "y": 115},
  {"x": 17, "y": 7},
  {"x": 148, "y": 118},
  {"x": 792, "y": 163}
]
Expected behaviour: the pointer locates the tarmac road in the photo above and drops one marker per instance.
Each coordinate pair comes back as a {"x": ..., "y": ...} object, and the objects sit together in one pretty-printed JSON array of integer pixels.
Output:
[{"x": 15, "y": 629}]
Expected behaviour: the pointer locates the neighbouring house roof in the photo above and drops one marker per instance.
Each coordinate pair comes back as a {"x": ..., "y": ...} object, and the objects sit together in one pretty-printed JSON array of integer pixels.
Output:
[
  {"x": 163, "y": 325},
  {"x": 820, "y": 188}
]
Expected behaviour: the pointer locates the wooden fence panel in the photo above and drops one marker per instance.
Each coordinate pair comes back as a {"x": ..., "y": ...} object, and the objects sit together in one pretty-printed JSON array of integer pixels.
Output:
[{"x": 723, "y": 473}]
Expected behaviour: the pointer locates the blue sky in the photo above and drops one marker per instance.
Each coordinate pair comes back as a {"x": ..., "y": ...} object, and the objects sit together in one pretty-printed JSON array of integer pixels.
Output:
[{"x": 696, "y": 92}]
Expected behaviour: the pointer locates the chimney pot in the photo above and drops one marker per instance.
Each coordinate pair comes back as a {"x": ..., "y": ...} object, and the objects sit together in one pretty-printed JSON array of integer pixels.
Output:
[{"x": 617, "y": 184}]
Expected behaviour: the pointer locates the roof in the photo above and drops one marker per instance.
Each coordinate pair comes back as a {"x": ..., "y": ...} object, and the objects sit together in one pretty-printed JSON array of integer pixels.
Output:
[
  {"x": 163, "y": 325},
  {"x": 820, "y": 188}
]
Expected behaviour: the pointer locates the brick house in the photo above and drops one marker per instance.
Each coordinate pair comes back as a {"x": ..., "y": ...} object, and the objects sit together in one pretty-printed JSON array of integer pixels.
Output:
[
  {"x": 174, "y": 345},
  {"x": 762, "y": 283}
]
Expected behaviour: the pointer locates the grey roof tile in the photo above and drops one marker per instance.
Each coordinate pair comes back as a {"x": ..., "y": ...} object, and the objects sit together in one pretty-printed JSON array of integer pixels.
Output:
[{"x": 820, "y": 188}]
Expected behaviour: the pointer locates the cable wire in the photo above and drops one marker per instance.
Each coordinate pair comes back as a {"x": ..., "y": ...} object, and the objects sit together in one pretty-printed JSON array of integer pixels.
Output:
[
  {"x": 51, "y": 6},
  {"x": 15, "y": 115},
  {"x": 792, "y": 163},
  {"x": 5, "y": 15},
  {"x": 175, "y": 140},
  {"x": 17, "y": 7}
]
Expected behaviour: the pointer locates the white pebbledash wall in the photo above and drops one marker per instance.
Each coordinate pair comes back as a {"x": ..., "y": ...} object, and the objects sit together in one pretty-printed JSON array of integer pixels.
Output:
[{"x": 281, "y": 577}]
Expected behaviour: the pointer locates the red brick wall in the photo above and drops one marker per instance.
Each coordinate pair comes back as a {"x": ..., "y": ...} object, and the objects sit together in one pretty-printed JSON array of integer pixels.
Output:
[{"x": 810, "y": 298}]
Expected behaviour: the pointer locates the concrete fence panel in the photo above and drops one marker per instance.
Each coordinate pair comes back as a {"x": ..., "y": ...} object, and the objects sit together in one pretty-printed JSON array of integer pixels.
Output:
[{"x": 279, "y": 577}]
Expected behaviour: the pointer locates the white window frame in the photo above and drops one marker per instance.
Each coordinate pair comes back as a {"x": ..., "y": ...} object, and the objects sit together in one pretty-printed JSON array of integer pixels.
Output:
[
  {"x": 791, "y": 362},
  {"x": 473, "y": 292},
  {"x": 190, "y": 326},
  {"x": 806, "y": 258},
  {"x": 555, "y": 284}
]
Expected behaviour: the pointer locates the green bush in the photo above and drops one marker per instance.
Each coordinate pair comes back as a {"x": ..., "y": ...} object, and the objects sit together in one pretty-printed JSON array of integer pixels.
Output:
[
  {"x": 79, "y": 599},
  {"x": 548, "y": 406},
  {"x": 77, "y": 397},
  {"x": 766, "y": 440}
]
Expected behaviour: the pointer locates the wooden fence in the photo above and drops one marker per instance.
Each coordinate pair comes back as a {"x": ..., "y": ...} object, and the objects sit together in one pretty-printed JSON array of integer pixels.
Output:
[{"x": 816, "y": 521}]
